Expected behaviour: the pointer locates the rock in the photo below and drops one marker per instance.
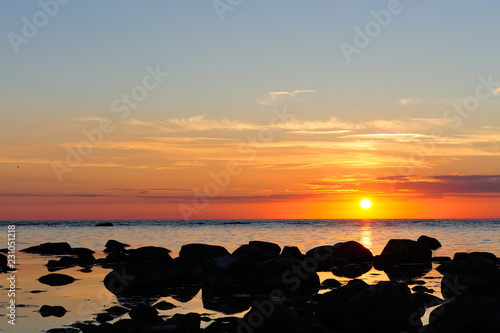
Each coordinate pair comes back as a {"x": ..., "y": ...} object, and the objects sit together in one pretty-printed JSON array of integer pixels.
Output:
[
  {"x": 188, "y": 323},
  {"x": 476, "y": 274},
  {"x": 472, "y": 313},
  {"x": 104, "y": 224},
  {"x": 292, "y": 251},
  {"x": 55, "y": 279},
  {"x": 115, "y": 246},
  {"x": 81, "y": 250},
  {"x": 104, "y": 317},
  {"x": 331, "y": 283},
  {"x": 224, "y": 303},
  {"x": 116, "y": 310},
  {"x": 56, "y": 311},
  {"x": 385, "y": 307},
  {"x": 283, "y": 273},
  {"x": 352, "y": 251},
  {"x": 324, "y": 256},
  {"x": 85, "y": 260},
  {"x": 256, "y": 252},
  {"x": 124, "y": 325},
  {"x": 440, "y": 328},
  {"x": 441, "y": 260},
  {"x": 64, "y": 262},
  {"x": 63, "y": 330},
  {"x": 202, "y": 252},
  {"x": 164, "y": 306},
  {"x": 149, "y": 253},
  {"x": 274, "y": 318},
  {"x": 429, "y": 242},
  {"x": 3, "y": 263},
  {"x": 403, "y": 272},
  {"x": 405, "y": 251},
  {"x": 144, "y": 314},
  {"x": 49, "y": 248}
]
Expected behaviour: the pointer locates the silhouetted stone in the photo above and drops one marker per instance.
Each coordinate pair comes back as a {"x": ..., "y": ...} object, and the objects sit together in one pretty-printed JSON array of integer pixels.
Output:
[
  {"x": 188, "y": 323},
  {"x": 104, "y": 224},
  {"x": 115, "y": 246},
  {"x": 117, "y": 310},
  {"x": 149, "y": 253},
  {"x": 423, "y": 289},
  {"x": 256, "y": 252},
  {"x": 163, "y": 305},
  {"x": 429, "y": 242},
  {"x": 144, "y": 314},
  {"x": 3, "y": 263},
  {"x": 352, "y": 251},
  {"x": 351, "y": 271},
  {"x": 441, "y": 260},
  {"x": 475, "y": 274},
  {"x": 331, "y": 283},
  {"x": 55, "y": 279},
  {"x": 49, "y": 248},
  {"x": 323, "y": 255},
  {"x": 426, "y": 300},
  {"x": 202, "y": 252},
  {"x": 124, "y": 325},
  {"x": 472, "y": 313},
  {"x": 103, "y": 317},
  {"x": 62, "y": 263},
  {"x": 63, "y": 330},
  {"x": 56, "y": 311},
  {"x": 439, "y": 328},
  {"x": 292, "y": 251},
  {"x": 405, "y": 251}
]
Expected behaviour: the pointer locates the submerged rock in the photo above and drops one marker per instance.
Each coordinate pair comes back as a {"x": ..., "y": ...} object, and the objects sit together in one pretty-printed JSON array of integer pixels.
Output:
[
  {"x": 49, "y": 248},
  {"x": 429, "y": 242},
  {"x": 115, "y": 246},
  {"x": 148, "y": 253},
  {"x": 55, "y": 279},
  {"x": 56, "y": 311}
]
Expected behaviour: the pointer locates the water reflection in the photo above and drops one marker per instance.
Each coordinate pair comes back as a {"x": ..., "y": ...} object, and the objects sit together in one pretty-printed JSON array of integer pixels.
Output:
[{"x": 366, "y": 234}]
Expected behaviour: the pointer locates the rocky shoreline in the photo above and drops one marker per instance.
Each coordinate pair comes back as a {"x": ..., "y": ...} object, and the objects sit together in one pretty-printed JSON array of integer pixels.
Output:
[{"x": 281, "y": 290}]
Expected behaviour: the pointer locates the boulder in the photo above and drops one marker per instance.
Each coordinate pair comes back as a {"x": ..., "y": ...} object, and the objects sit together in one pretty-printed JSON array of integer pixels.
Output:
[
  {"x": 116, "y": 310},
  {"x": 426, "y": 300},
  {"x": 331, "y": 283},
  {"x": 283, "y": 273},
  {"x": 56, "y": 311},
  {"x": 144, "y": 314},
  {"x": 405, "y": 251},
  {"x": 163, "y": 305},
  {"x": 472, "y": 313},
  {"x": 351, "y": 271},
  {"x": 115, "y": 246},
  {"x": 104, "y": 317},
  {"x": 429, "y": 242},
  {"x": 3, "y": 263},
  {"x": 476, "y": 274},
  {"x": 104, "y": 224},
  {"x": 352, "y": 251},
  {"x": 49, "y": 248},
  {"x": 202, "y": 252},
  {"x": 324, "y": 256},
  {"x": 292, "y": 251},
  {"x": 63, "y": 262},
  {"x": 55, "y": 279},
  {"x": 149, "y": 253},
  {"x": 186, "y": 323},
  {"x": 256, "y": 252}
]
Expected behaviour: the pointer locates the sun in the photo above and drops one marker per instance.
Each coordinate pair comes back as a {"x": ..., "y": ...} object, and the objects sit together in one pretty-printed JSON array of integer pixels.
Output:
[{"x": 365, "y": 203}]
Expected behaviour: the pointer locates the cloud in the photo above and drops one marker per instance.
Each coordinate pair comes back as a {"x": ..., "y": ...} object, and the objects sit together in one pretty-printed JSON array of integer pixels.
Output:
[
  {"x": 277, "y": 96},
  {"x": 496, "y": 92}
]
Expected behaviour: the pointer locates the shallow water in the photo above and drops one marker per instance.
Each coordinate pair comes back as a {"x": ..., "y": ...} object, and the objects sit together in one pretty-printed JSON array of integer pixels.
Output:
[{"x": 87, "y": 296}]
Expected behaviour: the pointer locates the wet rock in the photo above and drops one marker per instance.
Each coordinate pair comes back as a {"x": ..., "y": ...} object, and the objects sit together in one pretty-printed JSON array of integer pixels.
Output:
[
  {"x": 402, "y": 272},
  {"x": 385, "y": 307},
  {"x": 125, "y": 325},
  {"x": 256, "y": 252},
  {"x": 104, "y": 317},
  {"x": 117, "y": 310},
  {"x": 62, "y": 263},
  {"x": 149, "y": 253},
  {"x": 3, "y": 263},
  {"x": 55, "y": 279},
  {"x": 283, "y": 273},
  {"x": 475, "y": 274},
  {"x": 189, "y": 322},
  {"x": 439, "y": 328},
  {"x": 292, "y": 251},
  {"x": 324, "y": 256},
  {"x": 224, "y": 303},
  {"x": 63, "y": 330},
  {"x": 441, "y": 260},
  {"x": 144, "y": 314},
  {"x": 352, "y": 251},
  {"x": 56, "y": 311},
  {"x": 202, "y": 252},
  {"x": 405, "y": 251},
  {"x": 115, "y": 246},
  {"x": 429, "y": 242},
  {"x": 331, "y": 283},
  {"x": 472, "y": 313},
  {"x": 49, "y": 248},
  {"x": 163, "y": 305},
  {"x": 271, "y": 317}
]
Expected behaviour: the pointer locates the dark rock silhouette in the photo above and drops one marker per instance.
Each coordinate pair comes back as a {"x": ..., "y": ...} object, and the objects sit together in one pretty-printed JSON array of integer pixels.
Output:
[
  {"x": 292, "y": 251},
  {"x": 429, "y": 242},
  {"x": 56, "y": 311},
  {"x": 405, "y": 251},
  {"x": 352, "y": 251},
  {"x": 49, "y": 248},
  {"x": 115, "y": 246},
  {"x": 55, "y": 279}
]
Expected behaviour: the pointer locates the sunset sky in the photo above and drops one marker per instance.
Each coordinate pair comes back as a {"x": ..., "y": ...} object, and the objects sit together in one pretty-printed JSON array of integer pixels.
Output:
[{"x": 249, "y": 109}]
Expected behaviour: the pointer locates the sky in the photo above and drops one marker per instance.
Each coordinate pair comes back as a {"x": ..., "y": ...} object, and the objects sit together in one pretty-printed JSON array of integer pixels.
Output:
[{"x": 249, "y": 109}]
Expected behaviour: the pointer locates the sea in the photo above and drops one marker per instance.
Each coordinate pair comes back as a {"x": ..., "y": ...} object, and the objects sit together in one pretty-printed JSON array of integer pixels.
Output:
[{"x": 87, "y": 296}]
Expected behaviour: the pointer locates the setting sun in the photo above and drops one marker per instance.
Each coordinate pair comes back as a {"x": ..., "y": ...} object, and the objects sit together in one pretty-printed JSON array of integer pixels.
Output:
[{"x": 365, "y": 203}]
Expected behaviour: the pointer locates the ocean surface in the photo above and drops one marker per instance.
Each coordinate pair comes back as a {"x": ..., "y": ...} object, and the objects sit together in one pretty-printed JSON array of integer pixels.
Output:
[{"x": 87, "y": 296}]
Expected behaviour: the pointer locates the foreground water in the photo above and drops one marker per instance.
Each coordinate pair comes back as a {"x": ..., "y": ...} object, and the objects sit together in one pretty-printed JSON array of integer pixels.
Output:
[{"x": 87, "y": 296}]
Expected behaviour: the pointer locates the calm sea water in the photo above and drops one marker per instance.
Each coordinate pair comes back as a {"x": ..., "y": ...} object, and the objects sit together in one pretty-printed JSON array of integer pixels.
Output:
[{"x": 87, "y": 296}]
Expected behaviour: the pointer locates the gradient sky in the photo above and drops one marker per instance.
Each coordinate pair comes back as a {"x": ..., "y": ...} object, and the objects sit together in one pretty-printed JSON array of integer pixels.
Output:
[{"x": 410, "y": 119}]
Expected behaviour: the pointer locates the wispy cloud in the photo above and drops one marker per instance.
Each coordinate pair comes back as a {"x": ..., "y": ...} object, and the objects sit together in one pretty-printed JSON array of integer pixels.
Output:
[
  {"x": 496, "y": 92},
  {"x": 277, "y": 96}
]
